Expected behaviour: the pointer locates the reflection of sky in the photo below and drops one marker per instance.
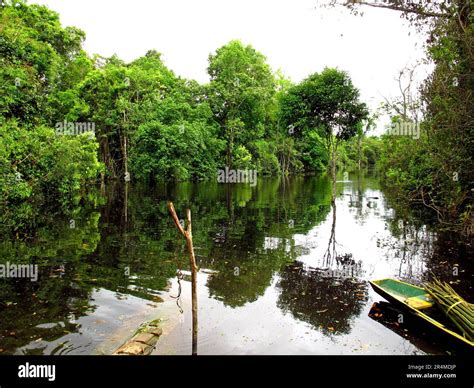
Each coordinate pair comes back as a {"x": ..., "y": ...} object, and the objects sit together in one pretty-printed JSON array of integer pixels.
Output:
[
  {"x": 262, "y": 328},
  {"x": 111, "y": 319},
  {"x": 367, "y": 237},
  {"x": 271, "y": 323}
]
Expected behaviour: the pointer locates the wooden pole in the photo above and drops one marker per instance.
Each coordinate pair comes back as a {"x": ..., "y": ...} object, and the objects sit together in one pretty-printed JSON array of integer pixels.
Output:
[{"x": 188, "y": 235}]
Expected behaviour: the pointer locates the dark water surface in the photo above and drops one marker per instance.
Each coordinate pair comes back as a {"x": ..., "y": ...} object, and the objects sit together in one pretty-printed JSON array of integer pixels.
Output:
[{"x": 280, "y": 271}]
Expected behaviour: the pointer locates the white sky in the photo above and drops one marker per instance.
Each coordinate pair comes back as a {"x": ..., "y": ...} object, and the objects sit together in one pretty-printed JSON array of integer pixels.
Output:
[{"x": 295, "y": 35}]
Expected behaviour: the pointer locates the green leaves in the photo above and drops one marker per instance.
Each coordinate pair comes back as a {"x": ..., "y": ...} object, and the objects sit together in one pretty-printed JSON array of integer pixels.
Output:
[
  {"x": 188, "y": 150},
  {"x": 37, "y": 55},
  {"x": 328, "y": 101},
  {"x": 150, "y": 121},
  {"x": 241, "y": 93},
  {"x": 323, "y": 107},
  {"x": 38, "y": 165}
]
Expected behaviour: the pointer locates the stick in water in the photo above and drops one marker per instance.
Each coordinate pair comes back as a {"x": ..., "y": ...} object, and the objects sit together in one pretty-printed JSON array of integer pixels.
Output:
[{"x": 187, "y": 234}]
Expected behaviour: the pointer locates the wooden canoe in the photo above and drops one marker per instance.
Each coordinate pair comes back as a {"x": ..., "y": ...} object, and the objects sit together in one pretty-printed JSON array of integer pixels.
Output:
[{"x": 416, "y": 300}]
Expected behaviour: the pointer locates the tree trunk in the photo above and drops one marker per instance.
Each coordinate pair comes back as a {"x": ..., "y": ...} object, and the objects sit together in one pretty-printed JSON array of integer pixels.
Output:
[
  {"x": 333, "y": 173},
  {"x": 125, "y": 156},
  {"x": 189, "y": 243},
  {"x": 230, "y": 146},
  {"x": 192, "y": 261},
  {"x": 106, "y": 157},
  {"x": 359, "y": 146}
]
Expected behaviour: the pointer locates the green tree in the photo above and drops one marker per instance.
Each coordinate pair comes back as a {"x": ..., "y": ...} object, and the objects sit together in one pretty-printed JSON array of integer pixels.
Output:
[
  {"x": 241, "y": 91},
  {"x": 40, "y": 63},
  {"x": 328, "y": 103},
  {"x": 437, "y": 170},
  {"x": 36, "y": 56}
]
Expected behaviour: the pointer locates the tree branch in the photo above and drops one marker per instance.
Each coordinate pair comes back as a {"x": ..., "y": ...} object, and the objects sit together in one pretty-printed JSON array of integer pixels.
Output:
[
  {"x": 399, "y": 8},
  {"x": 176, "y": 219}
]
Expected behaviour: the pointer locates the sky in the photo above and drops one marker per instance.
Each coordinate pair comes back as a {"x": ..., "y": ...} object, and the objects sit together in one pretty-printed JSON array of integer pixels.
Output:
[{"x": 296, "y": 36}]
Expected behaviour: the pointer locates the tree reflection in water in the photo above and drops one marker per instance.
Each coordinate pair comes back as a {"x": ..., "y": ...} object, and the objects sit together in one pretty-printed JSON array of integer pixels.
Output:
[
  {"x": 327, "y": 303},
  {"x": 325, "y": 298}
]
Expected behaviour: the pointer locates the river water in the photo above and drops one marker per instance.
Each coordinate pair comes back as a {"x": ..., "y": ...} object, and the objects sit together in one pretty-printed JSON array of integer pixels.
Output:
[{"x": 281, "y": 271}]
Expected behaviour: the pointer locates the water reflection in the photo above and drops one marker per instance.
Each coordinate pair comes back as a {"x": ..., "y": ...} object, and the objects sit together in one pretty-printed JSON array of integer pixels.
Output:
[
  {"x": 327, "y": 303},
  {"x": 387, "y": 315},
  {"x": 275, "y": 258},
  {"x": 327, "y": 297},
  {"x": 252, "y": 241}
]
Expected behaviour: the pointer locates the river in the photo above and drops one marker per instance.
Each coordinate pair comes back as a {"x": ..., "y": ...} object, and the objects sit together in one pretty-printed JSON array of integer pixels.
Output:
[{"x": 280, "y": 270}]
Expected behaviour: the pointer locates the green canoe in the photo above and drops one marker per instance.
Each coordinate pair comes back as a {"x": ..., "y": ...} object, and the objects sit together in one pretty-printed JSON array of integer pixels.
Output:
[{"x": 415, "y": 299}]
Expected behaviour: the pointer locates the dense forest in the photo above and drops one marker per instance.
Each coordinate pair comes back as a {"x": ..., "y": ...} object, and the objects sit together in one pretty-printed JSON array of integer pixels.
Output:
[{"x": 69, "y": 119}]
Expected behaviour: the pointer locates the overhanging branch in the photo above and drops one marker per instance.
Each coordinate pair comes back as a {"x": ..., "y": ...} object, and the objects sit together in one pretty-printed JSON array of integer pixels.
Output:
[{"x": 399, "y": 8}]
